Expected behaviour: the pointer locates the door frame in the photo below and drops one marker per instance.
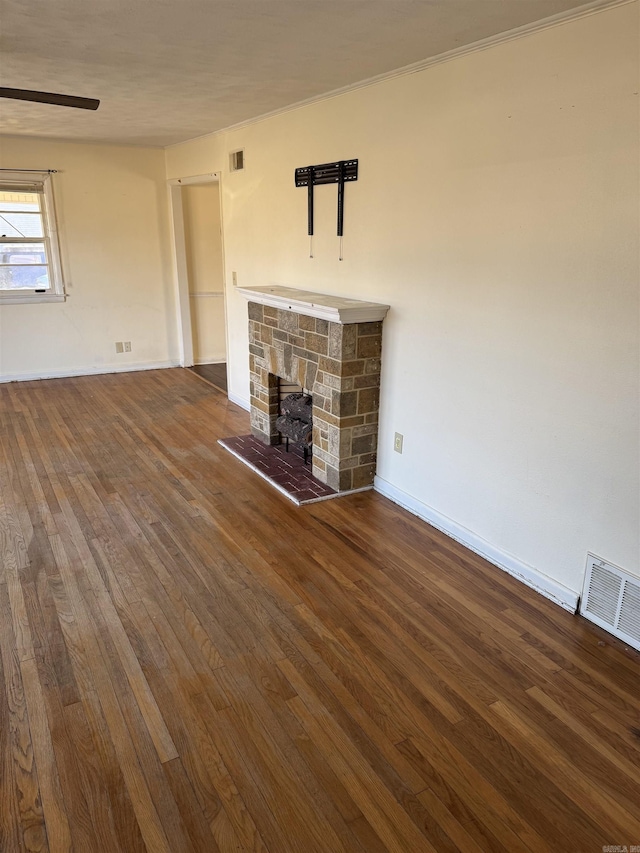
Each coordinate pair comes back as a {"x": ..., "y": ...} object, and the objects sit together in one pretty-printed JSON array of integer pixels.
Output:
[{"x": 180, "y": 272}]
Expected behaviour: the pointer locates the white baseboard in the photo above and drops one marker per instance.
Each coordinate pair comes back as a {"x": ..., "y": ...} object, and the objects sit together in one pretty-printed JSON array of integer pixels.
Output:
[
  {"x": 87, "y": 371},
  {"x": 239, "y": 401},
  {"x": 551, "y": 589}
]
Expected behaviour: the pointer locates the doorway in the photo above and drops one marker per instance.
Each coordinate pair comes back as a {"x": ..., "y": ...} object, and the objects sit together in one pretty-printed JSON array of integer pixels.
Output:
[{"x": 200, "y": 276}]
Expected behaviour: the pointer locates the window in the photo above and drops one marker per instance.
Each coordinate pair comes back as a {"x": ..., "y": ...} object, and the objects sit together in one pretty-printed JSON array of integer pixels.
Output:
[{"x": 30, "y": 268}]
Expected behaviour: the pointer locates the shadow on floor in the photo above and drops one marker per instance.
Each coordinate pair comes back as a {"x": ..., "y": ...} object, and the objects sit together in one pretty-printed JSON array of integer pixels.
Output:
[{"x": 215, "y": 374}]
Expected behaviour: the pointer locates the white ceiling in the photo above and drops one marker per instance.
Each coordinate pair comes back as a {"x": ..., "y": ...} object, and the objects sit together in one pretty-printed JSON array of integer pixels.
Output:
[{"x": 171, "y": 70}]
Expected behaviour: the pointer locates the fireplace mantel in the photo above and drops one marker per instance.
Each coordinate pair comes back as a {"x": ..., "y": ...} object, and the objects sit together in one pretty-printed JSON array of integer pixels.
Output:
[{"x": 335, "y": 309}]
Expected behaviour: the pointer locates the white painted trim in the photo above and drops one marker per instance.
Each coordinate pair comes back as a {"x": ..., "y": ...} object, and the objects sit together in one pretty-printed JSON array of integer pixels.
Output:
[
  {"x": 561, "y": 18},
  {"x": 30, "y": 296},
  {"x": 43, "y": 185},
  {"x": 180, "y": 270},
  {"x": 551, "y": 589},
  {"x": 225, "y": 288},
  {"x": 181, "y": 275},
  {"x": 87, "y": 371},
  {"x": 239, "y": 401},
  {"x": 209, "y": 178}
]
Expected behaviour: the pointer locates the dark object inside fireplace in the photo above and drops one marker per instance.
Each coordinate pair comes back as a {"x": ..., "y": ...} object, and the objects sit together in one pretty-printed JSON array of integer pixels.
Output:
[{"x": 295, "y": 421}]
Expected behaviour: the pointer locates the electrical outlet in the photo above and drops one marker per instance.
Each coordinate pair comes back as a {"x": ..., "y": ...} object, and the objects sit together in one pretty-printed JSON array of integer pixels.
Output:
[
  {"x": 119, "y": 346},
  {"x": 397, "y": 442},
  {"x": 234, "y": 279},
  {"x": 127, "y": 346}
]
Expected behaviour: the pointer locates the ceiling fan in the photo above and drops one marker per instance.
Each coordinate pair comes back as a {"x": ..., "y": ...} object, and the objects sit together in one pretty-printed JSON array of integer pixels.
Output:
[{"x": 50, "y": 98}]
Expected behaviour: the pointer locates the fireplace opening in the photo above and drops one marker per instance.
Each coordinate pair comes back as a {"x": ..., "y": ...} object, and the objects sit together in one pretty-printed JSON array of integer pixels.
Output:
[{"x": 294, "y": 422}]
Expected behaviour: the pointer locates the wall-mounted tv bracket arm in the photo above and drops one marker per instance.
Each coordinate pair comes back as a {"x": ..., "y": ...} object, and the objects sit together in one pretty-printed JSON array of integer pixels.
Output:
[
  {"x": 310, "y": 185},
  {"x": 327, "y": 173}
]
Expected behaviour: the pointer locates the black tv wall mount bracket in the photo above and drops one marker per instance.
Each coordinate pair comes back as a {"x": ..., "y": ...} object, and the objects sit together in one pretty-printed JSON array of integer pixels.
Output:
[{"x": 327, "y": 173}]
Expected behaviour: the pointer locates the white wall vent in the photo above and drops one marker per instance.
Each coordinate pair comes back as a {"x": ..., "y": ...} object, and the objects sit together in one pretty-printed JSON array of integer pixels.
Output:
[
  {"x": 236, "y": 160},
  {"x": 611, "y": 599}
]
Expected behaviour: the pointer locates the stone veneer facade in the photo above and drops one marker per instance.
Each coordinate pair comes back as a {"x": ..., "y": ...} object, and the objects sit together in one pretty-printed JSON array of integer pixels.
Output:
[{"x": 340, "y": 366}]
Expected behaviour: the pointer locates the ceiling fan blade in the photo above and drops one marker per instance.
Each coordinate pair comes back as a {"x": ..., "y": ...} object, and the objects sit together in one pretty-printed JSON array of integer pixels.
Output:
[{"x": 50, "y": 98}]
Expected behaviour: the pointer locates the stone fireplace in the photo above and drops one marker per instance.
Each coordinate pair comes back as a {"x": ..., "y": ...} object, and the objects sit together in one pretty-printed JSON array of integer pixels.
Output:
[{"x": 331, "y": 347}]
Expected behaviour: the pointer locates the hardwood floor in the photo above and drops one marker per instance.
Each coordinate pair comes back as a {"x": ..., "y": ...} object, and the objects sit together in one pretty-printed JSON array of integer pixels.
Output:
[
  {"x": 191, "y": 663},
  {"x": 216, "y": 374}
]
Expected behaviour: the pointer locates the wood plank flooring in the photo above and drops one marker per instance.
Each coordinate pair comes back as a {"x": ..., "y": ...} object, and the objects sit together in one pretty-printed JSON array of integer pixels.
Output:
[
  {"x": 188, "y": 662},
  {"x": 216, "y": 374}
]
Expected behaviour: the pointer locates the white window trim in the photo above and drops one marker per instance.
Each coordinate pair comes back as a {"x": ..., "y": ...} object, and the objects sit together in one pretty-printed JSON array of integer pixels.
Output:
[{"x": 57, "y": 290}]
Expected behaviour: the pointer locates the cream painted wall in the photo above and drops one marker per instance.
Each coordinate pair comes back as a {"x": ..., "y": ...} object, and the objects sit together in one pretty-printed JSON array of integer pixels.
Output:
[
  {"x": 201, "y": 211},
  {"x": 496, "y": 211},
  {"x": 208, "y": 328},
  {"x": 203, "y": 244},
  {"x": 113, "y": 220}
]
